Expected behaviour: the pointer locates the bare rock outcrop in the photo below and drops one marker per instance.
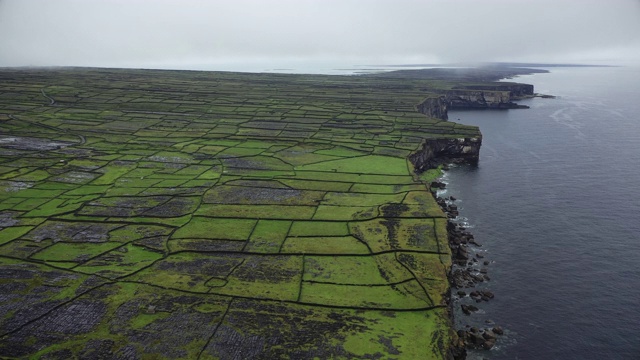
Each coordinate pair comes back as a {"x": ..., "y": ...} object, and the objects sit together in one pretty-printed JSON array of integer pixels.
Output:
[{"x": 434, "y": 152}]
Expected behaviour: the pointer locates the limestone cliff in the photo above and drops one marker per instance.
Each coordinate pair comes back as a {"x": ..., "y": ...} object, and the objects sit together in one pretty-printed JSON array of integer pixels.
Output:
[
  {"x": 516, "y": 90},
  {"x": 480, "y": 99},
  {"x": 433, "y": 152},
  {"x": 488, "y": 96},
  {"x": 434, "y": 107}
]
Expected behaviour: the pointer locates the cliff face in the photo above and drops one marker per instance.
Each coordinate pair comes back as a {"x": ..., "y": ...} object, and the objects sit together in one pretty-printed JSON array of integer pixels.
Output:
[
  {"x": 433, "y": 152},
  {"x": 480, "y": 99},
  {"x": 434, "y": 107},
  {"x": 495, "y": 95},
  {"x": 517, "y": 91},
  {"x": 488, "y": 96}
]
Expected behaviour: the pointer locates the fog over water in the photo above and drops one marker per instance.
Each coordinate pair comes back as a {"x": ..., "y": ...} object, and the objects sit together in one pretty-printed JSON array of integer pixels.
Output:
[{"x": 259, "y": 35}]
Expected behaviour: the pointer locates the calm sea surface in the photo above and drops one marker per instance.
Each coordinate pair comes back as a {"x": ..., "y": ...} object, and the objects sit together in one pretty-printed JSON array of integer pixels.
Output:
[{"x": 555, "y": 201}]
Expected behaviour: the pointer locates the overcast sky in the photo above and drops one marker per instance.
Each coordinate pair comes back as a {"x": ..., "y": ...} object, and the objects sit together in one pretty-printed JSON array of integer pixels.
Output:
[{"x": 256, "y": 34}]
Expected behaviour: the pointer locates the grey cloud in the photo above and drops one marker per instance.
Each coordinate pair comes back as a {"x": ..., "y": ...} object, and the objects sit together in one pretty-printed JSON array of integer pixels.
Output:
[{"x": 210, "y": 34}]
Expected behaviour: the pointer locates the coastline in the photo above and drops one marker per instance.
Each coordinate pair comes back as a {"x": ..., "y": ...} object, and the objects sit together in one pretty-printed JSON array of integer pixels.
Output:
[
  {"x": 469, "y": 267},
  {"x": 467, "y": 271}
]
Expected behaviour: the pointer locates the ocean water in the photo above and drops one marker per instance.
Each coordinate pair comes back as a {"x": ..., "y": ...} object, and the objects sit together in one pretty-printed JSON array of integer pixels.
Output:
[{"x": 555, "y": 203}]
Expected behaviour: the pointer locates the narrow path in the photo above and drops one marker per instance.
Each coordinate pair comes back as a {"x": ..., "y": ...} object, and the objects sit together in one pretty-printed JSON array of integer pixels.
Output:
[
  {"x": 82, "y": 141},
  {"x": 52, "y": 100}
]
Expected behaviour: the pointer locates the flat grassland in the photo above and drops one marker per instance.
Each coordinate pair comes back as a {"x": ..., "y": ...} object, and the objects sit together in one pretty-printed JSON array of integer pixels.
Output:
[{"x": 175, "y": 214}]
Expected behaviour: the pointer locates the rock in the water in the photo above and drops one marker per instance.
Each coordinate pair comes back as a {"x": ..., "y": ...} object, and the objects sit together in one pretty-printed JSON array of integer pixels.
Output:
[
  {"x": 475, "y": 339},
  {"x": 489, "y": 344},
  {"x": 438, "y": 185},
  {"x": 468, "y": 309},
  {"x": 488, "y": 294},
  {"x": 461, "y": 254},
  {"x": 488, "y": 334}
]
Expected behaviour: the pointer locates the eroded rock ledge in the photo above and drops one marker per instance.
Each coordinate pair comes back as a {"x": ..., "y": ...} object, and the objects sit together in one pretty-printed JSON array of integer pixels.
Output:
[
  {"x": 516, "y": 90},
  {"x": 434, "y": 152},
  {"x": 488, "y": 96},
  {"x": 481, "y": 99},
  {"x": 434, "y": 107}
]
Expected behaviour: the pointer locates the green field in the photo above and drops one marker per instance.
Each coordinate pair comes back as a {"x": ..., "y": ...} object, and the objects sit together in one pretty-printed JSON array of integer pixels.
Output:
[{"x": 180, "y": 214}]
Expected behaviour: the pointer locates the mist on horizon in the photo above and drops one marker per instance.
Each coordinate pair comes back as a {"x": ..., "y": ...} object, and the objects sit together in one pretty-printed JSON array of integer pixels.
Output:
[{"x": 298, "y": 34}]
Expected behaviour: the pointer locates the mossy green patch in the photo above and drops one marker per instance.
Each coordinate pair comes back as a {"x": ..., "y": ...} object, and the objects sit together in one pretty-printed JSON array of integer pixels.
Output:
[
  {"x": 385, "y": 189},
  {"x": 316, "y": 185},
  {"x": 341, "y": 151},
  {"x": 398, "y": 333},
  {"x": 268, "y": 236},
  {"x": 209, "y": 175},
  {"x": 120, "y": 262},
  {"x": 213, "y": 228},
  {"x": 395, "y": 234},
  {"x": 202, "y": 245},
  {"x": 324, "y": 245},
  {"x": 303, "y": 155},
  {"x": 171, "y": 183},
  {"x": 345, "y": 213},
  {"x": 142, "y": 320},
  {"x": 404, "y": 296},
  {"x": 87, "y": 190},
  {"x": 37, "y": 194},
  {"x": 359, "y": 199},
  {"x": 369, "y": 164},
  {"x": 385, "y": 179},
  {"x": 319, "y": 228},
  {"x": 428, "y": 271},
  {"x": 265, "y": 277},
  {"x": 11, "y": 233},
  {"x": 188, "y": 271},
  {"x": 379, "y": 269},
  {"x": 57, "y": 206},
  {"x": 257, "y": 211},
  {"x": 238, "y": 152},
  {"x": 111, "y": 173},
  {"x": 327, "y": 176},
  {"x": 37, "y": 175}
]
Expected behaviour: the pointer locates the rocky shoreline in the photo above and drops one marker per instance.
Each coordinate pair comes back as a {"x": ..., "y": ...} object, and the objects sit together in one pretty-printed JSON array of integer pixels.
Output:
[{"x": 469, "y": 268}]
